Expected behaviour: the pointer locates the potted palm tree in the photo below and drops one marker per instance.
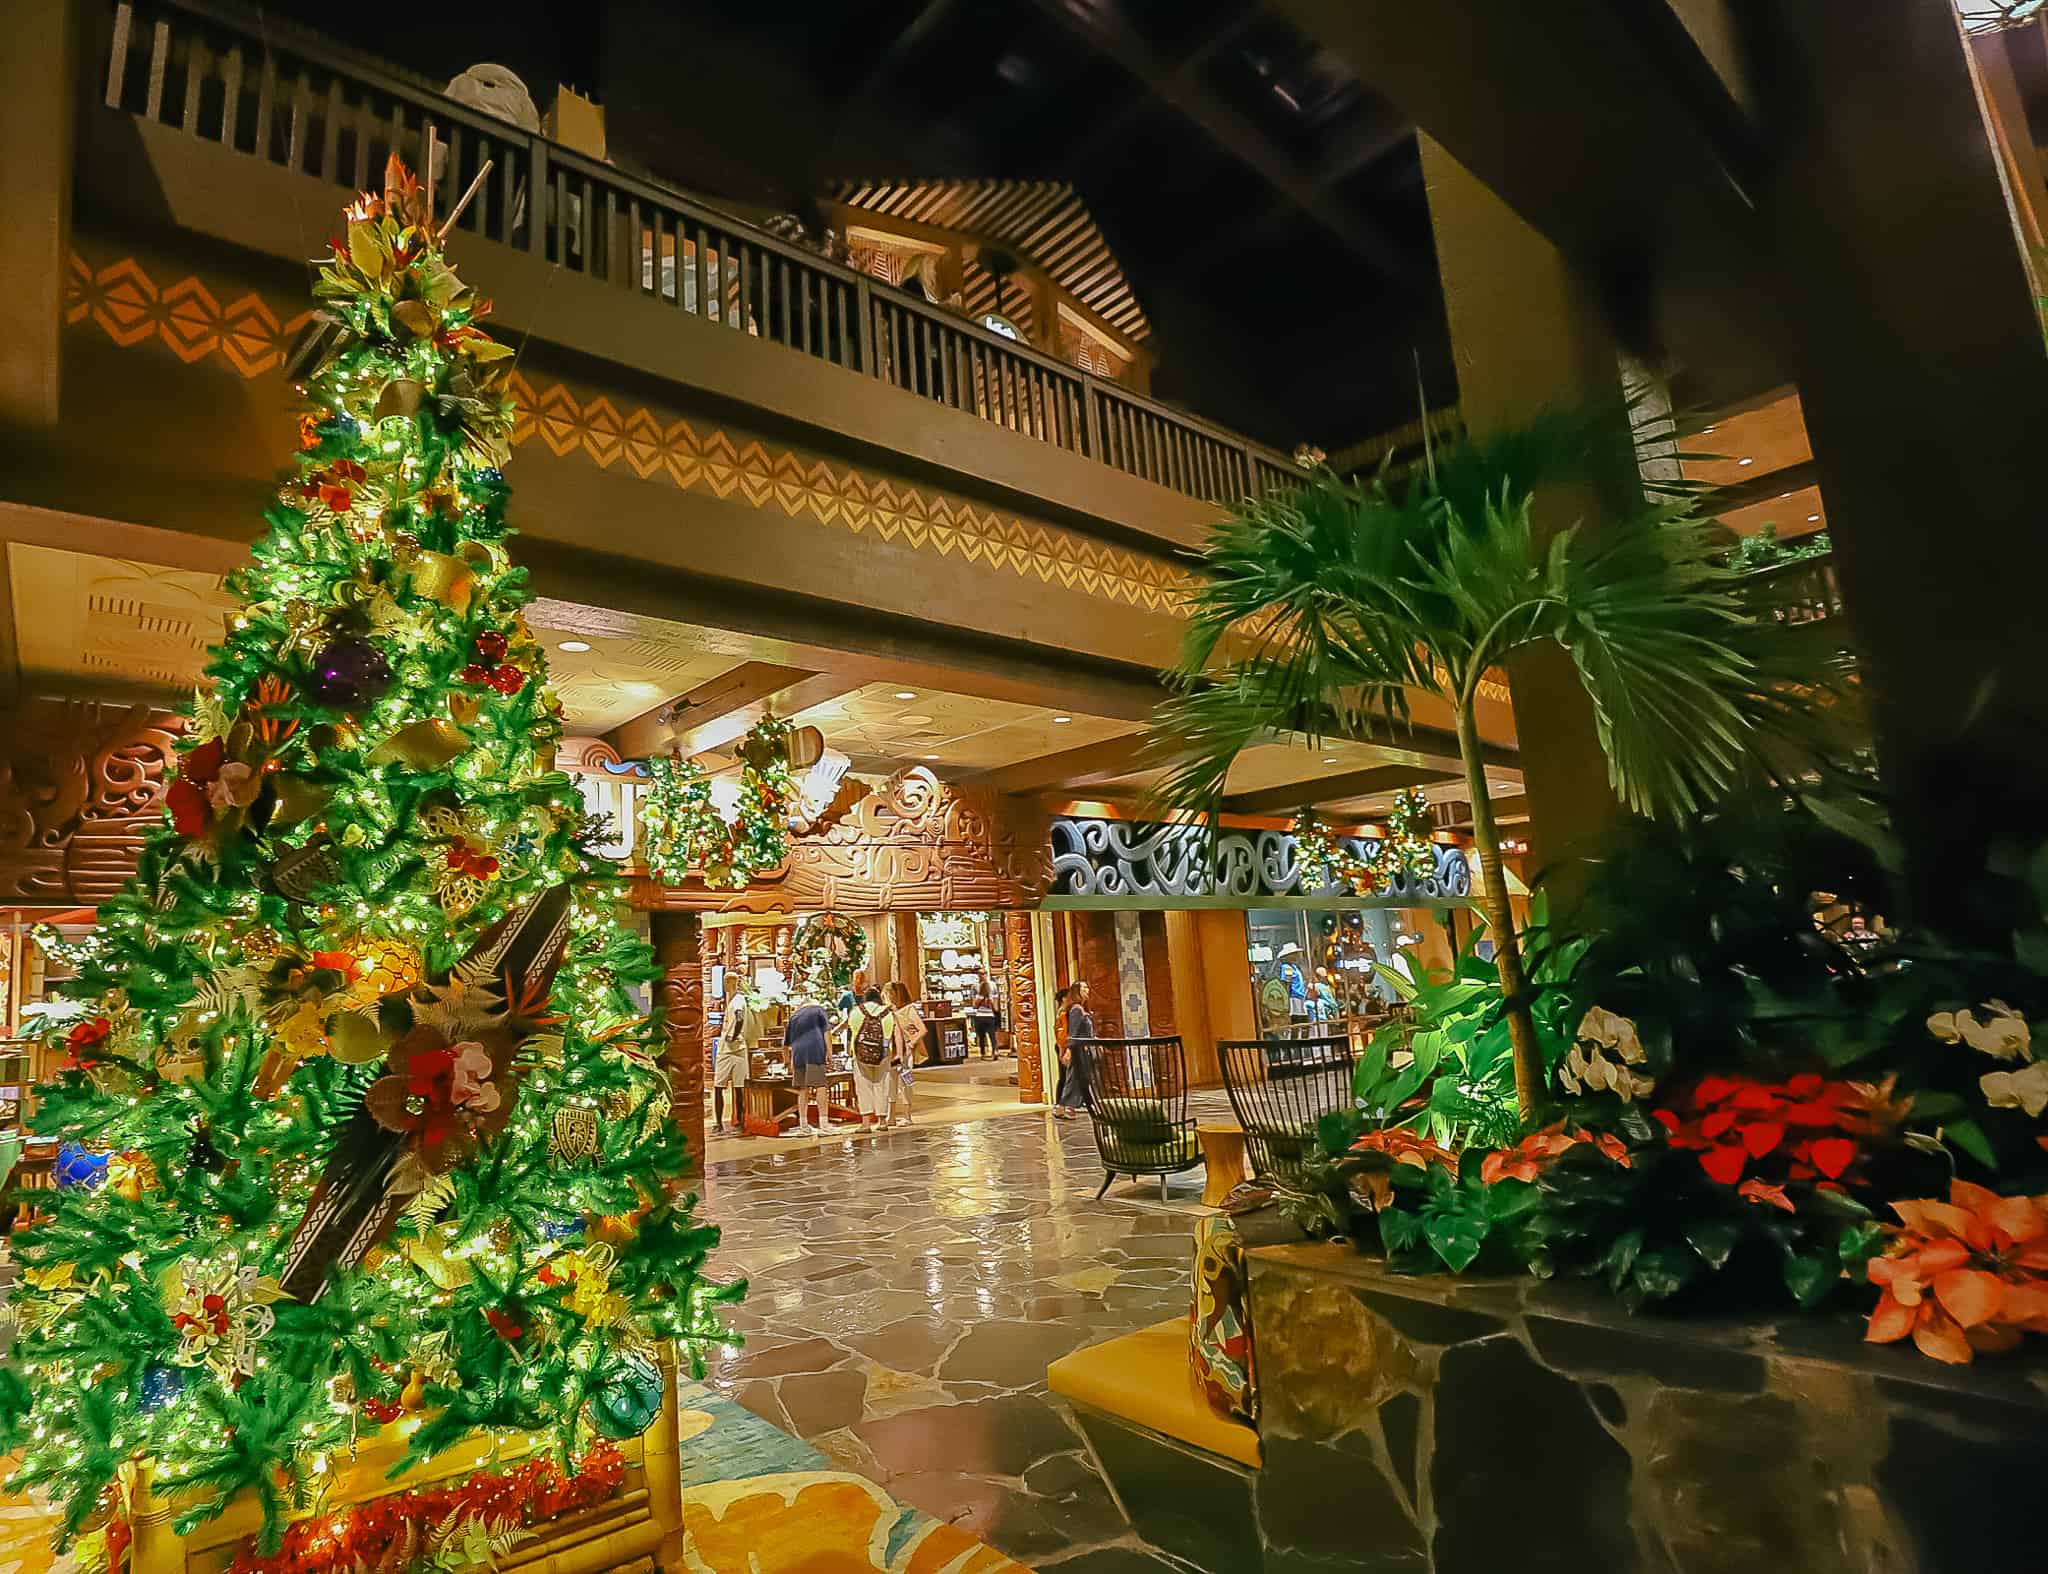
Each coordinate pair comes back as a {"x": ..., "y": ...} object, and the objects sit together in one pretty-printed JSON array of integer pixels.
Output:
[{"x": 1325, "y": 607}]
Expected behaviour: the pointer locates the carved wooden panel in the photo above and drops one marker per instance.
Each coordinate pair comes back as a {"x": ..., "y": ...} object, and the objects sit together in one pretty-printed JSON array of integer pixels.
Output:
[
  {"x": 680, "y": 994},
  {"x": 918, "y": 845},
  {"x": 81, "y": 783},
  {"x": 1024, "y": 1030}
]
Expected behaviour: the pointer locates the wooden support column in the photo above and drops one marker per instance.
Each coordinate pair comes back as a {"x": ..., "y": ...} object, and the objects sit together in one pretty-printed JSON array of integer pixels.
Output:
[
  {"x": 1526, "y": 337},
  {"x": 1023, "y": 1013},
  {"x": 678, "y": 948},
  {"x": 1095, "y": 960},
  {"x": 1923, "y": 378},
  {"x": 37, "y": 114},
  {"x": 904, "y": 955},
  {"x": 1188, "y": 986}
]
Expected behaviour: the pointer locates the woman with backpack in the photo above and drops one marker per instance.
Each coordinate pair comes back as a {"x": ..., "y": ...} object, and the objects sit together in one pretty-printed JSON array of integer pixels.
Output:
[{"x": 873, "y": 1035}]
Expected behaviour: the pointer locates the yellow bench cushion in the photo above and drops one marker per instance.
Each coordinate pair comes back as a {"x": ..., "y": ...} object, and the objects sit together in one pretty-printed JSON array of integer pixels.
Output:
[{"x": 1143, "y": 1378}]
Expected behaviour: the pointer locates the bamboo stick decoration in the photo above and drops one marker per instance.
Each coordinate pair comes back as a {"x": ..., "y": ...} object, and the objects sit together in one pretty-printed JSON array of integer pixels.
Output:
[
  {"x": 455, "y": 213},
  {"x": 661, "y": 1459}
]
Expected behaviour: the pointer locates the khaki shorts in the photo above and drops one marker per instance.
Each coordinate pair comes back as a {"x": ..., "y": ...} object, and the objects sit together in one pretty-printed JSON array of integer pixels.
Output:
[{"x": 729, "y": 1067}]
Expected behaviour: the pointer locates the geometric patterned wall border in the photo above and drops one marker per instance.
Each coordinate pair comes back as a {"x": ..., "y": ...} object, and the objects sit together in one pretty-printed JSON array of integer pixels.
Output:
[{"x": 249, "y": 336}]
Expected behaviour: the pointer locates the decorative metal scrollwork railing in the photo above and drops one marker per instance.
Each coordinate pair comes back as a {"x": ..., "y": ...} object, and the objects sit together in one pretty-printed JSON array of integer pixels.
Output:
[{"x": 1150, "y": 859}]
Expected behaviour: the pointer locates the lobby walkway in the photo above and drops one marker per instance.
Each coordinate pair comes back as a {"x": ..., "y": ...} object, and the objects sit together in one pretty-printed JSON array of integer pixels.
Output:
[{"x": 907, "y": 1294}]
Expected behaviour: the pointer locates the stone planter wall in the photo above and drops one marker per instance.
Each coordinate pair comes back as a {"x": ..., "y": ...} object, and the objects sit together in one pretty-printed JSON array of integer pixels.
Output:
[{"x": 1471, "y": 1427}]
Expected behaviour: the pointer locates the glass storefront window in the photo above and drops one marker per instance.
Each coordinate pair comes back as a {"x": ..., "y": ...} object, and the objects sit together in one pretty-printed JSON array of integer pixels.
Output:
[{"x": 1317, "y": 966}]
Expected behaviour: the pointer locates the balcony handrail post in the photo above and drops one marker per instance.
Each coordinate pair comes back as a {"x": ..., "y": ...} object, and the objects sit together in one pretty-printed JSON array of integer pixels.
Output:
[
  {"x": 536, "y": 194},
  {"x": 1091, "y": 418},
  {"x": 864, "y": 303}
]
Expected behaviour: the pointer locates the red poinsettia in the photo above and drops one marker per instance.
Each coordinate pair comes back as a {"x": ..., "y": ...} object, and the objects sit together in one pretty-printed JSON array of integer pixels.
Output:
[
  {"x": 1964, "y": 1275},
  {"x": 466, "y": 858},
  {"x": 447, "y": 1095},
  {"x": 338, "y": 962},
  {"x": 87, "y": 1036},
  {"x": 212, "y": 1317},
  {"x": 504, "y": 1325},
  {"x": 186, "y": 797},
  {"x": 1804, "y": 1129}
]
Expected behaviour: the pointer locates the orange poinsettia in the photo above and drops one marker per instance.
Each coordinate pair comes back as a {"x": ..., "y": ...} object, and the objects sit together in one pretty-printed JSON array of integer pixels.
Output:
[
  {"x": 1394, "y": 1145},
  {"x": 1532, "y": 1155},
  {"x": 1964, "y": 1275}
]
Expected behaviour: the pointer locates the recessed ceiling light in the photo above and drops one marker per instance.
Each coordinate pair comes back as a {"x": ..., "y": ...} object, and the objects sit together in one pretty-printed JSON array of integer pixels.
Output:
[
  {"x": 574, "y": 645},
  {"x": 1706, "y": 429},
  {"x": 1329, "y": 759},
  {"x": 931, "y": 756},
  {"x": 906, "y": 694},
  {"x": 1812, "y": 519},
  {"x": 1061, "y": 721},
  {"x": 1745, "y": 461}
]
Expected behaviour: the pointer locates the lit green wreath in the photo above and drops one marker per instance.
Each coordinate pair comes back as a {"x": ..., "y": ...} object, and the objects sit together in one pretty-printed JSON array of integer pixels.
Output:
[
  {"x": 1404, "y": 849},
  {"x": 829, "y": 951},
  {"x": 682, "y": 831}
]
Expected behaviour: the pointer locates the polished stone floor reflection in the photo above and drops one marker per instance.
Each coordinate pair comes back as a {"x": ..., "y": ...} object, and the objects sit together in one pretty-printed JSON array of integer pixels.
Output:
[{"x": 907, "y": 1294}]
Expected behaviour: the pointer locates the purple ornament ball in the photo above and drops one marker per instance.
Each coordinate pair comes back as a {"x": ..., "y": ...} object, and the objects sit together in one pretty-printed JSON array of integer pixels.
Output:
[{"x": 348, "y": 672}]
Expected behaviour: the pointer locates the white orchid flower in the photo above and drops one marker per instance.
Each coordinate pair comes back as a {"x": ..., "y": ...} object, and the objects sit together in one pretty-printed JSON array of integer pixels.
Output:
[
  {"x": 2002, "y": 1034},
  {"x": 1602, "y": 1027},
  {"x": 2025, "y": 1089}
]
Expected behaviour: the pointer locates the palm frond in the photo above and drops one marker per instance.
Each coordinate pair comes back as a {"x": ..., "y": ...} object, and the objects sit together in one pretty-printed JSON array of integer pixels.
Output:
[{"x": 1325, "y": 606}]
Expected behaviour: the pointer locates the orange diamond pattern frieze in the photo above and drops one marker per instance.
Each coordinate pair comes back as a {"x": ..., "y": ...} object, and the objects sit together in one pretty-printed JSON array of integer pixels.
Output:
[{"x": 251, "y": 337}]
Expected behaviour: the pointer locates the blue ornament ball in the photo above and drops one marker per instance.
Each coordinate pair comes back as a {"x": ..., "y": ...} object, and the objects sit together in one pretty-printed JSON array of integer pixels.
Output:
[
  {"x": 77, "y": 1167},
  {"x": 627, "y": 1403},
  {"x": 559, "y": 1229},
  {"x": 159, "y": 1386}
]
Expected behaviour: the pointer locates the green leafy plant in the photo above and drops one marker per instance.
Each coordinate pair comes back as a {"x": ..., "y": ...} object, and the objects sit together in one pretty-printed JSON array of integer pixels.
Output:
[
  {"x": 1436, "y": 1217},
  {"x": 1764, "y": 549},
  {"x": 1325, "y": 607},
  {"x": 1448, "y": 1073}
]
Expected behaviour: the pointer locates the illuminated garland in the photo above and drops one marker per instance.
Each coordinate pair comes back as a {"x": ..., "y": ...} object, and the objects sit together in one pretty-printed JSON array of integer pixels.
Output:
[
  {"x": 1404, "y": 849},
  {"x": 443, "y": 1525},
  {"x": 830, "y": 950},
  {"x": 683, "y": 832}
]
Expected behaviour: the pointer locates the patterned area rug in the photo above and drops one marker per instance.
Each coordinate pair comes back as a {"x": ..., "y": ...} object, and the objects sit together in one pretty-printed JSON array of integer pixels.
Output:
[{"x": 755, "y": 1501}]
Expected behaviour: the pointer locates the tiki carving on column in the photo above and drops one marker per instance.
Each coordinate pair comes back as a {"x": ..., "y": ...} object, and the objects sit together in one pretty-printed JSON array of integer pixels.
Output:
[
  {"x": 81, "y": 784},
  {"x": 1023, "y": 960},
  {"x": 680, "y": 994}
]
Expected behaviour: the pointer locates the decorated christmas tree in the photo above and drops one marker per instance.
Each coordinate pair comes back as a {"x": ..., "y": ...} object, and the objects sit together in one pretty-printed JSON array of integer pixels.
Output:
[{"x": 363, "y": 1124}]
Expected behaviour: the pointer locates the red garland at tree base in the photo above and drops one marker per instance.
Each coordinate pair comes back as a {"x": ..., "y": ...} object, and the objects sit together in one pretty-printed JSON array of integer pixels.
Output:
[{"x": 395, "y": 1532}]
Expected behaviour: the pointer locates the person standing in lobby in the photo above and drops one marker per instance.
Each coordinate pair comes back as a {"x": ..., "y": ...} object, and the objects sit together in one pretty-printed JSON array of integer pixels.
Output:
[
  {"x": 808, "y": 1026},
  {"x": 872, "y": 1035},
  {"x": 910, "y": 1035},
  {"x": 986, "y": 1019},
  {"x": 729, "y": 1065},
  {"x": 1072, "y": 1096}
]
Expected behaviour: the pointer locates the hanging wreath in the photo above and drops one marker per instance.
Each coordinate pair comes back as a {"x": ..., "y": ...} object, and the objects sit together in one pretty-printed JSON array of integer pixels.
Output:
[
  {"x": 682, "y": 830},
  {"x": 1404, "y": 849},
  {"x": 830, "y": 950}
]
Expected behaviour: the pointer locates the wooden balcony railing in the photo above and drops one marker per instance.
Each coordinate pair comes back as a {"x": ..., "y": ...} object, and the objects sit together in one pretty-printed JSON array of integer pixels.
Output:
[
  {"x": 285, "y": 96},
  {"x": 1801, "y": 590}
]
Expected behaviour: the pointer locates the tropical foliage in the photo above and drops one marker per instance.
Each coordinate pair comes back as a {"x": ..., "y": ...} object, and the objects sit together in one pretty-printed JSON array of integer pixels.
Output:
[
  {"x": 1325, "y": 607},
  {"x": 1759, "y": 1074}
]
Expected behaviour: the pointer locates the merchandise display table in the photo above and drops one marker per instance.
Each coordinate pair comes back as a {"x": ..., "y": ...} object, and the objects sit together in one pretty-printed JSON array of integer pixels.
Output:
[{"x": 768, "y": 1104}]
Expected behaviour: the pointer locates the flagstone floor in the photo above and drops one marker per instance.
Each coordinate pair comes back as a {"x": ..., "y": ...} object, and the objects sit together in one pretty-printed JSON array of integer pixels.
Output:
[{"x": 908, "y": 1291}]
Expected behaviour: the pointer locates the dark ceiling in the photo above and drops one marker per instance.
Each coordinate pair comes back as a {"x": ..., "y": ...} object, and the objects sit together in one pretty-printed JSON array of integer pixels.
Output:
[{"x": 1267, "y": 206}]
